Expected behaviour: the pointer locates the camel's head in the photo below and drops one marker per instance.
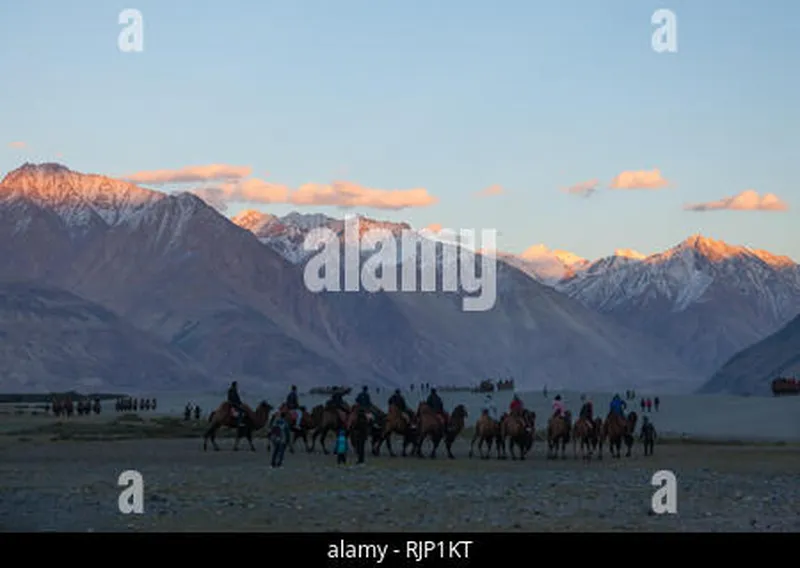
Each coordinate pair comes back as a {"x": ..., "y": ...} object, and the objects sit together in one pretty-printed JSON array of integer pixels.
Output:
[{"x": 460, "y": 411}]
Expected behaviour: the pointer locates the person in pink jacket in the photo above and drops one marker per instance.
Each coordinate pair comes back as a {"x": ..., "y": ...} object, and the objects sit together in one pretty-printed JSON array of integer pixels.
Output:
[{"x": 558, "y": 406}]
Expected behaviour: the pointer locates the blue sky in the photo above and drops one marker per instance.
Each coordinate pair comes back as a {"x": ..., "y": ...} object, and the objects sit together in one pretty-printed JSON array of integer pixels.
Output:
[{"x": 453, "y": 97}]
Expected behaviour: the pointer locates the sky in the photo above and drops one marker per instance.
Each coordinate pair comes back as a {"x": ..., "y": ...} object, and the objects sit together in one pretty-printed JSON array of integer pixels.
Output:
[{"x": 552, "y": 122}]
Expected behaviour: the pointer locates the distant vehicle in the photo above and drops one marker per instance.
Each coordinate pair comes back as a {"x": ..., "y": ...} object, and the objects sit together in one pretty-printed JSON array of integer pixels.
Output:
[{"x": 785, "y": 386}]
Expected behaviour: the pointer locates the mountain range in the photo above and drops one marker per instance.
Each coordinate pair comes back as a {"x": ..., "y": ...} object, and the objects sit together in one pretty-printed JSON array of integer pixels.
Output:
[{"x": 195, "y": 298}]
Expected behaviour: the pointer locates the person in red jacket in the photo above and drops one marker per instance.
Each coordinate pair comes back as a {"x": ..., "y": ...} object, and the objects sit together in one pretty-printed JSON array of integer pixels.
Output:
[{"x": 516, "y": 406}]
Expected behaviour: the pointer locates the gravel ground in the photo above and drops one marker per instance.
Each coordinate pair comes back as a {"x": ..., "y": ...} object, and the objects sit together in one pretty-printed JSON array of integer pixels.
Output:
[{"x": 72, "y": 486}]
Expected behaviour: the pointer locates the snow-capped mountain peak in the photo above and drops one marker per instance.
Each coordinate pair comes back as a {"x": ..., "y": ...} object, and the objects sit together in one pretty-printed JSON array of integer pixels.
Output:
[
  {"x": 540, "y": 251},
  {"x": 79, "y": 199},
  {"x": 717, "y": 251},
  {"x": 286, "y": 235},
  {"x": 252, "y": 220},
  {"x": 629, "y": 253}
]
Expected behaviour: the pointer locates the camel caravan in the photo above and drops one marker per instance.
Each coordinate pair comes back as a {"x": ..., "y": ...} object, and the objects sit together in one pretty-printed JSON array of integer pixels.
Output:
[{"x": 512, "y": 434}]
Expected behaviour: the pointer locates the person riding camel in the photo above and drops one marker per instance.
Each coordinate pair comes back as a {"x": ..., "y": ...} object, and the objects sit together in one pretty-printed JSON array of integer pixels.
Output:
[
  {"x": 515, "y": 408},
  {"x": 587, "y": 413},
  {"x": 336, "y": 401},
  {"x": 436, "y": 404},
  {"x": 587, "y": 410},
  {"x": 558, "y": 407},
  {"x": 236, "y": 402},
  {"x": 293, "y": 405},
  {"x": 617, "y": 407},
  {"x": 489, "y": 407},
  {"x": 398, "y": 401},
  {"x": 364, "y": 402}
]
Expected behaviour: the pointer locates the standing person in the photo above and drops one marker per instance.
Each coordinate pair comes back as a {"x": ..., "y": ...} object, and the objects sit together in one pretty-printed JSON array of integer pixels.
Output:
[
  {"x": 643, "y": 404},
  {"x": 280, "y": 439},
  {"x": 649, "y": 405},
  {"x": 361, "y": 431},
  {"x": 657, "y": 403},
  {"x": 648, "y": 436},
  {"x": 341, "y": 447}
]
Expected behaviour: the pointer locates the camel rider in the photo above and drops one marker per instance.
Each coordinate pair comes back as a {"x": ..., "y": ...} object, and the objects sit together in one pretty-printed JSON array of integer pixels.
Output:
[
  {"x": 489, "y": 407},
  {"x": 617, "y": 407},
  {"x": 515, "y": 408},
  {"x": 236, "y": 402},
  {"x": 337, "y": 400},
  {"x": 364, "y": 402},
  {"x": 397, "y": 400},
  {"x": 587, "y": 410},
  {"x": 436, "y": 404},
  {"x": 558, "y": 407},
  {"x": 293, "y": 405}
]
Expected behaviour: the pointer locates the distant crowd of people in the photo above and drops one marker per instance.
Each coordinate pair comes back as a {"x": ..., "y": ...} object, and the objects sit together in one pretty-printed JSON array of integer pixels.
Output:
[{"x": 135, "y": 404}]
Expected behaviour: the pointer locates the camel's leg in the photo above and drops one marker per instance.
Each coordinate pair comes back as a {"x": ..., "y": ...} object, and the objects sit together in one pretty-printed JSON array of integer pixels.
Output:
[
  {"x": 388, "y": 438},
  {"x": 448, "y": 444},
  {"x": 211, "y": 435},
  {"x": 575, "y": 447},
  {"x": 472, "y": 444},
  {"x": 418, "y": 444},
  {"x": 564, "y": 442},
  {"x": 249, "y": 434},
  {"x": 435, "y": 440},
  {"x": 322, "y": 437},
  {"x": 236, "y": 441},
  {"x": 410, "y": 440},
  {"x": 511, "y": 444}
]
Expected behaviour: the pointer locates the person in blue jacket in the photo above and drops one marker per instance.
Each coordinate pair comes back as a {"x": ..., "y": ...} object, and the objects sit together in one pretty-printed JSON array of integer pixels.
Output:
[
  {"x": 341, "y": 447},
  {"x": 617, "y": 406}
]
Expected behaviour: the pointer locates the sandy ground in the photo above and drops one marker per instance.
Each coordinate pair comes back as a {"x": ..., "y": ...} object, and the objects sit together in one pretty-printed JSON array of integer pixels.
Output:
[{"x": 63, "y": 477}]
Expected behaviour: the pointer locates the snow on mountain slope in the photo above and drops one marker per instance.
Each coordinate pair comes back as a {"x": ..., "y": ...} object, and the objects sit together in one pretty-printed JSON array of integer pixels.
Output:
[
  {"x": 194, "y": 280},
  {"x": 287, "y": 235},
  {"x": 81, "y": 200},
  {"x": 705, "y": 298},
  {"x": 545, "y": 265}
]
